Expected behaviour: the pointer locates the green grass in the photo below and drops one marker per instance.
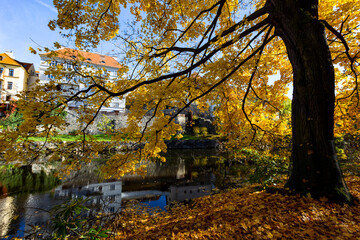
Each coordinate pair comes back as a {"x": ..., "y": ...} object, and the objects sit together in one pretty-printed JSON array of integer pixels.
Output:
[
  {"x": 107, "y": 138},
  {"x": 73, "y": 138}
]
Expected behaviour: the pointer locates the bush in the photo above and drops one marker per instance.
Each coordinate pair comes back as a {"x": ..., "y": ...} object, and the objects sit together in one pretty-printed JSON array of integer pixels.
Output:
[
  {"x": 196, "y": 131},
  {"x": 204, "y": 131},
  {"x": 68, "y": 221},
  {"x": 12, "y": 121},
  {"x": 267, "y": 169}
]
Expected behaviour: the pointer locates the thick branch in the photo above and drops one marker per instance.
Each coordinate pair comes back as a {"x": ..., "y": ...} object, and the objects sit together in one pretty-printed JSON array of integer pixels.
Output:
[
  {"x": 266, "y": 41},
  {"x": 230, "y": 30},
  {"x": 351, "y": 59},
  {"x": 177, "y": 74}
]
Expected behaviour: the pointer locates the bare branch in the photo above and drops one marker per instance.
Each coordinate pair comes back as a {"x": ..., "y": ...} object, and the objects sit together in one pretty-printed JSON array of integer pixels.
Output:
[
  {"x": 351, "y": 59},
  {"x": 96, "y": 114},
  {"x": 101, "y": 17},
  {"x": 223, "y": 79},
  {"x": 230, "y": 30},
  {"x": 261, "y": 48},
  {"x": 150, "y": 119}
]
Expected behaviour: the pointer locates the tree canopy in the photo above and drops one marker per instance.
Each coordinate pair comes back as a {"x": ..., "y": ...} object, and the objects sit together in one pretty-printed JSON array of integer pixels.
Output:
[{"x": 220, "y": 53}]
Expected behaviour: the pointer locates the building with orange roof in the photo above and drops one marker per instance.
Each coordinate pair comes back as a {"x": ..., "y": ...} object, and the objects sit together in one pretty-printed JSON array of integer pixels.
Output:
[
  {"x": 69, "y": 58},
  {"x": 15, "y": 77}
]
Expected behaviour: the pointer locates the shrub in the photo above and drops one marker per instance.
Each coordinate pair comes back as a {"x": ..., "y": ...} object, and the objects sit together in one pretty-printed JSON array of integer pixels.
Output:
[
  {"x": 267, "y": 169},
  {"x": 204, "y": 131},
  {"x": 196, "y": 130}
]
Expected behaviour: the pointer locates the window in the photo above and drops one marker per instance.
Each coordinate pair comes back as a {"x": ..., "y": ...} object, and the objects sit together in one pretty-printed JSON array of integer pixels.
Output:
[
  {"x": 112, "y": 187},
  {"x": 10, "y": 85},
  {"x": 113, "y": 73},
  {"x": 68, "y": 65},
  {"x": 11, "y": 72},
  {"x": 74, "y": 88},
  {"x": 1, "y": 70},
  {"x": 8, "y": 98}
]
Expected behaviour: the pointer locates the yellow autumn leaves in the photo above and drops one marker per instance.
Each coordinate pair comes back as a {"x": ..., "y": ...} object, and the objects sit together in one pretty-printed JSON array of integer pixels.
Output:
[{"x": 246, "y": 214}]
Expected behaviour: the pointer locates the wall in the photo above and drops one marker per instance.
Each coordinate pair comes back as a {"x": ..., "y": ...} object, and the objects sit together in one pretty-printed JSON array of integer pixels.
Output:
[{"x": 116, "y": 119}]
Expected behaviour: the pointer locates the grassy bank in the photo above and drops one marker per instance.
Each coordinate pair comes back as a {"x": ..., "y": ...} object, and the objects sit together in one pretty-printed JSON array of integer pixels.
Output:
[
  {"x": 105, "y": 137},
  {"x": 72, "y": 138}
]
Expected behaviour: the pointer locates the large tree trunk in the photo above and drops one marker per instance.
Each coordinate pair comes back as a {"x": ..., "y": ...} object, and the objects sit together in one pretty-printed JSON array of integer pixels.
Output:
[{"x": 315, "y": 168}]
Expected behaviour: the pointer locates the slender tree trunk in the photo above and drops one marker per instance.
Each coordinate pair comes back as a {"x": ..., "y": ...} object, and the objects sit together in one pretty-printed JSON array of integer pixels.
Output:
[{"x": 315, "y": 168}]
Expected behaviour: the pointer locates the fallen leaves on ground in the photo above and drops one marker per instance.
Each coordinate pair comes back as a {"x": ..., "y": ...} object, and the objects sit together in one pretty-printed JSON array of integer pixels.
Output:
[{"x": 245, "y": 213}]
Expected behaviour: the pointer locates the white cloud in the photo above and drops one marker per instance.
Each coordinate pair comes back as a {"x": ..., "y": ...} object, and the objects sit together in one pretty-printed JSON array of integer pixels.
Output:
[{"x": 47, "y": 5}]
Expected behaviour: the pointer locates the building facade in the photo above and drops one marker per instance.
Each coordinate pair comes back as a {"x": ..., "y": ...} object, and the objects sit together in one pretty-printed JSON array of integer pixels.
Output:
[
  {"x": 91, "y": 62},
  {"x": 15, "y": 77}
]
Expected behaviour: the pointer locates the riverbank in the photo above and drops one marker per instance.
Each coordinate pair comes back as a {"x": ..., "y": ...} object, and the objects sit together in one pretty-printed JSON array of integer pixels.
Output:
[
  {"x": 246, "y": 213},
  {"x": 110, "y": 146}
]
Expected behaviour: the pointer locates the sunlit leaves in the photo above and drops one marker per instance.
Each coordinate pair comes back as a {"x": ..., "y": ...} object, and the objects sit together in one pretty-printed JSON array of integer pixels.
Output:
[
  {"x": 189, "y": 52},
  {"x": 246, "y": 214}
]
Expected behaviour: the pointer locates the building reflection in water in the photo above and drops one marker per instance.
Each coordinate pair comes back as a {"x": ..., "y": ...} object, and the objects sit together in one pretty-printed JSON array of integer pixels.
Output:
[
  {"x": 6, "y": 214},
  {"x": 184, "y": 176}
]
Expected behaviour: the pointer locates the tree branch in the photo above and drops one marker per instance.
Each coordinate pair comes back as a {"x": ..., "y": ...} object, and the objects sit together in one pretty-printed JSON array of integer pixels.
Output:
[
  {"x": 351, "y": 59},
  {"x": 232, "y": 29},
  {"x": 266, "y": 41},
  {"x": 261, "y": 48}
]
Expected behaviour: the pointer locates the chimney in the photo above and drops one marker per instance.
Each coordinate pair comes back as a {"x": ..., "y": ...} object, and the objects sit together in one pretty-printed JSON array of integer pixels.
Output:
[{"x": 10, "y": 54}]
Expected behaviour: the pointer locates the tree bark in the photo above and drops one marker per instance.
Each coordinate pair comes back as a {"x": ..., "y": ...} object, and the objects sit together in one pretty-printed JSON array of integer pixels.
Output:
[{"x": 315, "y": 167}]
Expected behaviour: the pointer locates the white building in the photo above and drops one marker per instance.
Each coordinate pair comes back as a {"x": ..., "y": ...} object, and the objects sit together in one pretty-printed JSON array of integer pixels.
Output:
[{"x": 84, "y": 60}]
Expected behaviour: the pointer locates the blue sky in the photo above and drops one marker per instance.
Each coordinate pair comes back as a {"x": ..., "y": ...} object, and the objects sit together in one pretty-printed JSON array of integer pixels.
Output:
[{"x": 24, "y": 24}]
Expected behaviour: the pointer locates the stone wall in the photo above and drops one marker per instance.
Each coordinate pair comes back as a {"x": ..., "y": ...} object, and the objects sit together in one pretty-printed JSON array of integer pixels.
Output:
[{"x": 112, "y": 120}]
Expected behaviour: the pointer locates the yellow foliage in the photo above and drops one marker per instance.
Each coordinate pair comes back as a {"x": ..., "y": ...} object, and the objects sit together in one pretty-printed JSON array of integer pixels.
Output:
[
  {"x": 245, "y": 214},
  {"x": 200, "y": 51}
]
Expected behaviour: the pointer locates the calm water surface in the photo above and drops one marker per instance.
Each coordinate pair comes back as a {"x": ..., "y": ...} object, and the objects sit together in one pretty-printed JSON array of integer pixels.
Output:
[{"x": 187, "y": 174}]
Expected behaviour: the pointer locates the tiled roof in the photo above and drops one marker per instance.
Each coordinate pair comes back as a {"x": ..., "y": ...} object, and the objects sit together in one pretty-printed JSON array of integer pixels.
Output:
[
  {"x": 93, "y": 58},
  {"x": 5, "y": 59},
  {"x": 26, "y": 65}
]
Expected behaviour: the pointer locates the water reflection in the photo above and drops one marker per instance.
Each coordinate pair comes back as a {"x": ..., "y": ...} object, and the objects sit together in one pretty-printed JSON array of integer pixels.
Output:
[
  {"x": 6, "y": 210},
  {"x": 18, "y": 207},
  {"x": 108, "y": 195},
  {"x": 187, "y": 174}
]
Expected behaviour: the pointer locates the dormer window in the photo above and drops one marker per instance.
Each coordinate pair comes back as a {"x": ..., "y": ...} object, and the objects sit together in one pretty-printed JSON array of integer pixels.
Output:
[
  {"x": 88, "y": 59},
  {"x": 73, "y": 56},
  {"x": 102, "y": 61},
  {"x": 1, "y": 58}
]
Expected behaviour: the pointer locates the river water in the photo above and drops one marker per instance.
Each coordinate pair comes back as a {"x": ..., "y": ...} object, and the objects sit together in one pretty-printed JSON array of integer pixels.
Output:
[{"x": 187, "y": 174}]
